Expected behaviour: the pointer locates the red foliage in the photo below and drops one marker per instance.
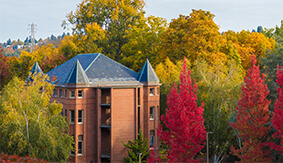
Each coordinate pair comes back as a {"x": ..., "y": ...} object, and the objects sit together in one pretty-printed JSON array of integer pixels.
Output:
[
  {"x": 252, "y": 117},
  {"x": 184, "y": 120},
  {"x": 50, "y": 62},
  {"x": 152, "y": 157},
  {"x": 5, "y": 73},
  {"x": 277, "y": 120},
  {"x": 19, "y": 159}
]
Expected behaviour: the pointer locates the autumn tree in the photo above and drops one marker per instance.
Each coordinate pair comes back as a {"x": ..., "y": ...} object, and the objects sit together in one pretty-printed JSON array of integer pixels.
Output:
[
  {"x": 115, "y": 17},
  {"x": 168, "y": 73},
  {"x": 277, "y": 119},
  {"x": 30, "y": 124},
  {"x": 197, "y": 37},
  {"x": 144, "y": 42},
  {"x": 247, "y": 44},
  {"x": 186, "y": 134},
  {"x": 218, "y": 87},
  {"x": 252, "y": 118},
  {"x": 5, "y": 73}
]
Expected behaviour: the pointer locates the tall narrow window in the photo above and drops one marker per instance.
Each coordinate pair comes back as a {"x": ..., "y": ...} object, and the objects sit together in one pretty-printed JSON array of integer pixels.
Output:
[
  {"x": 65, "y": 112},
  {"x": 72, "y": 94},
  {"x": 151, "y": 113},
  {"x": 152, "y": 135},
  {"x": 80, "y": 144},
  {"x": 139, "y": 97},
  {"x": 66, "y": 94},
  {"x": 80, "y": 116},
  {"x": 55, "y": 93},
  {"x": 61, "y": 93},
  {"x": 80, "y": 93},
  {"x": 151, "y": 91},
  {"x": 72, "y": 116}
]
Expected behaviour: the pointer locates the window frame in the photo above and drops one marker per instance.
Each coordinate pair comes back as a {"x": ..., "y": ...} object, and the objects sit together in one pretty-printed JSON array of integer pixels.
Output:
[
  {"x": 72, "y": 93},
  {"x": 151, "y": 91},
  {"x": 61, "y": 93},
  {"x": 151, "y": 138},
  {"x": 151, "y": 115},
  {"x": 80, "y": 141},
  {"x": 80, "y": 93},
  {"x": 55, "y": 93},
  {"x": 82, "y": 116},
  {"x": 72, "y": 112}
]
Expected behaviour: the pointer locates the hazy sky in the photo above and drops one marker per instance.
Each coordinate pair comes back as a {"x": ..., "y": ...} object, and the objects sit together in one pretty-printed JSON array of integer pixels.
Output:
[{"x": 48, "y": 15}]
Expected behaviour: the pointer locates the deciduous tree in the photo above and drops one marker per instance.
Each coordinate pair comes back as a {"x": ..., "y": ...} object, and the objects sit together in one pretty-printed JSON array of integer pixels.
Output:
[
  {"x": 30, "y": 124},
  {"x": 186, "y": 134},
  {"x": 252, "y": 118},
  {"x": 277, "y": 119}
]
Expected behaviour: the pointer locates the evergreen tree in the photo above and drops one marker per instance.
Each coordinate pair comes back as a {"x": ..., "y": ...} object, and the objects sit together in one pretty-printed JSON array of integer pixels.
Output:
[
  {"x": 184, "y": 120},
  {"x": 252, "y": 118},
  {"x": 136, "y": 148}
]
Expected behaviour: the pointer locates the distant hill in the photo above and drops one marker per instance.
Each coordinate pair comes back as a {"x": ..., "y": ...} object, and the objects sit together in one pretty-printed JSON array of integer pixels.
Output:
[{"x": 15, "y": 47}]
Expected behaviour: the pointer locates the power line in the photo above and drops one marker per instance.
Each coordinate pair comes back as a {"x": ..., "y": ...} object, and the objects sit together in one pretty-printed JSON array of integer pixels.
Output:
[{"x": 32, "y": 28}]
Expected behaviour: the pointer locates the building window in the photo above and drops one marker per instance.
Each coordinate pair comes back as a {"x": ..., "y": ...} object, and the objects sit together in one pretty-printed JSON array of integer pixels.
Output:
[
  {"x": 151, "y": 113},
  {"x": 80, "y": 93},
  {"x": 61, "y": 93},
  {"x": 152, "y": 135},
  {"x": 65, "y": 112},
  {"x": 74, "y": 146},
  {"x": 66, "y": 94},
  {"x": 72, "y": 94},
  {"x": 80, "y": 144},
  {"x": 151, "y": 91},
  {"x": 72, "y": 116},
  {"x": 55, "y": 93},
  {"x": 80, "y": 116}
]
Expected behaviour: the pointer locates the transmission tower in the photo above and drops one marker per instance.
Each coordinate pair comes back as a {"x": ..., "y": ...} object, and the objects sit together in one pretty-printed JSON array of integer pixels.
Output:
[{"x": 32, "y": 32}]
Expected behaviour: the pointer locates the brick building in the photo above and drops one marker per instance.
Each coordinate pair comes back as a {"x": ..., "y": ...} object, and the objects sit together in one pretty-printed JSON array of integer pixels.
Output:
[{"x": 106, "y": 103}]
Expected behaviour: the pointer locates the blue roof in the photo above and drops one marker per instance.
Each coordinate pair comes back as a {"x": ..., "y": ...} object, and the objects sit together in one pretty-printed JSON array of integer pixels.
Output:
[
  {"x": 34, "y": 71},
  {"x": 95, "y": 67},
  {"x": 77, "y": 75},
  {"x": 147, "y": 73}
]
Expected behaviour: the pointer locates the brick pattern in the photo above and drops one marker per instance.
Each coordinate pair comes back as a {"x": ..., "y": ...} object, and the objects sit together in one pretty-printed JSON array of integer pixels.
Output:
[{"x": 122, "y": 115}]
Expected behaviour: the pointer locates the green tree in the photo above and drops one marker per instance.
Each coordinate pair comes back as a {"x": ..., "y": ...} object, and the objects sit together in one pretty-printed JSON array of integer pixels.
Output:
[
  {"x": 219, "y": 89},
  {"x": 144, "y": 42},
  {"x": 30, "y": 124},
  {"x": 137, "y": 147},
  {"x": 116, "y": 17}
]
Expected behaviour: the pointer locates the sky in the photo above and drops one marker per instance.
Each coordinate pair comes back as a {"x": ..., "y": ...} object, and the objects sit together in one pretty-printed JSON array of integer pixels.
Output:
[{"x": 236, "y": 15}]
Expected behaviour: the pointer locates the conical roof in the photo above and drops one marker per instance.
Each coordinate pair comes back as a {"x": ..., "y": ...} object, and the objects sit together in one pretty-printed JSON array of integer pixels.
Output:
[
  {"x": 77, "y": 75},
  {"x": 147, "y": 74},
  {"x": 34, "y": 71}
]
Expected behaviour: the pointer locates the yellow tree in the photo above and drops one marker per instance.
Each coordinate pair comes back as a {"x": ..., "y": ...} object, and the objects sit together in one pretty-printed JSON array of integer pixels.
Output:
[
  {"x": 144, "y": 42},
  {"x": 197, "y": 37},
  {"x": 114, "y": 16},
  {"x": 30, "y": 124},
  {"x": 248, "y": 43}
]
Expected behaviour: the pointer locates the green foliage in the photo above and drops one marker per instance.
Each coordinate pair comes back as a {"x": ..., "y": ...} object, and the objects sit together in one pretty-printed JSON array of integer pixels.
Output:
[
  {"x": 135, "y": 148},
  {"x": 219, "y": 89},
  {"x": 115, "y": 17},
  {"x": 30, "y": 124}
]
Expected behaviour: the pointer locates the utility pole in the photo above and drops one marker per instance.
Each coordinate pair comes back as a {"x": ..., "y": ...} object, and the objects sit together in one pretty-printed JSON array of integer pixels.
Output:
[{"x": 32, "y": 32}]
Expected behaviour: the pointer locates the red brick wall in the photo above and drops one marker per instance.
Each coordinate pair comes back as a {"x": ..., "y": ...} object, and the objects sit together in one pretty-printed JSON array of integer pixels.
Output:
[{"x": 122, "y": 121}]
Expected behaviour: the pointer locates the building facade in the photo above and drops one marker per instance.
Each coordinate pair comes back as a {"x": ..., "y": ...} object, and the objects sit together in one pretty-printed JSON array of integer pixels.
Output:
[{"x": 106, "y": 103}]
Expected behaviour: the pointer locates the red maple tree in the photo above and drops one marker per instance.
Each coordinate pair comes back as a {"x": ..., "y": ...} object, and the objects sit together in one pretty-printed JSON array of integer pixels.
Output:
[
  {"x": 5, "y": 73},
  {"x": 277, "y": 120},
  {"x": 185, "y": 122},
  {"x": 252, "y": 118}
]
